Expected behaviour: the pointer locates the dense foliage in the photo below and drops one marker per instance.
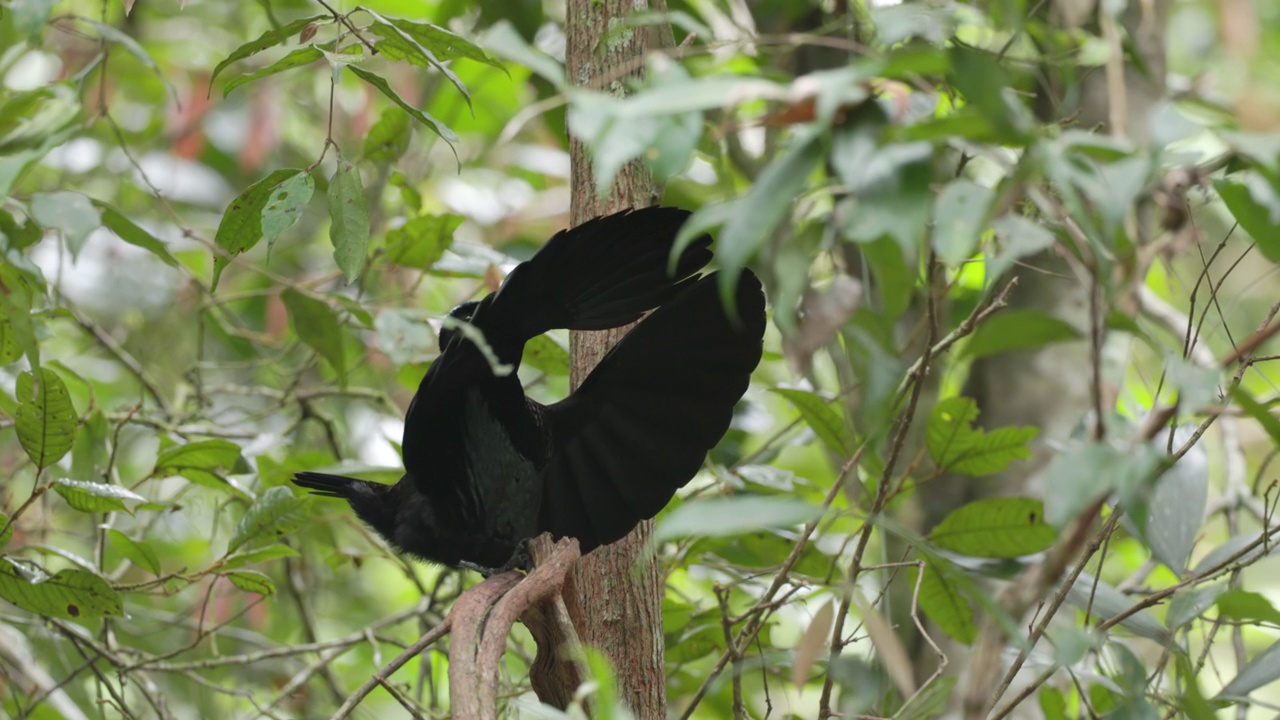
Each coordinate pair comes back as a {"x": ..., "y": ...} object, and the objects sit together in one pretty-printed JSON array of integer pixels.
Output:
[{"x": 230, "y": 230}]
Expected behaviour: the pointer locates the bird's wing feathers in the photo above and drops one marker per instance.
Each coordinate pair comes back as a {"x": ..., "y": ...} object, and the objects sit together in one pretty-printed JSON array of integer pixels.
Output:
[
  {"x": 604, "y": 273},
  {"x": 642, "y": 422}
]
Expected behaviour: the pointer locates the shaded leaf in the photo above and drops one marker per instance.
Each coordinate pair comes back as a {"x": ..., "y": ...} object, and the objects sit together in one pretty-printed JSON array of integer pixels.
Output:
[
  {"x": 1255, "y": 204},
  {"x": 138, "y": 553},
  {"x": 349, "y": 214},
  {"x": 1187, "y": 605},
  {"x": 421, "y": 241},
  {"x": 942, "y": 601},
  {"x": 111, "y": 34},
  {"x": 263, "y": 554},
  {"x": 1247, "y": 607},
  {"x": 197, "y": 461},
  {"x": 1017, "y": 330},
  {"x": 276, "y": 514},
  {"x": 718, "y": 517},
  {"x": 1084, "y": 473},
  {"x": 95, "y": 497},
  {"x": 46, "y": 421},
  {"x": 388, "y": 139},
  {"x": 295, "y": 59},
  {"x": 821, "y": 417},
  {"x": 316, "y": 325},
  {"x": 270, "y": 38},
  {"x": 1176, "y": 507},
  {"x": 958, "y": 220},
  {"x": 931, "y": 702},
  {"x": 1002, "y": 527},
  {"x": 70, "y": 213},
  {"x": 1262, "y": 670},
  {"x": 1107, "y": 602},
  {"x": 128, "y": 231},
  {"x": 426, "y": 119},
  {"x": 72, "y": 593},
  {"x": 811, "y": 644}
]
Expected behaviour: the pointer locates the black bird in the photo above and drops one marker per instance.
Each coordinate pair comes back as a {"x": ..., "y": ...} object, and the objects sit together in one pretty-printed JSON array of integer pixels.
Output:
[{"x": 487, "y": 468}]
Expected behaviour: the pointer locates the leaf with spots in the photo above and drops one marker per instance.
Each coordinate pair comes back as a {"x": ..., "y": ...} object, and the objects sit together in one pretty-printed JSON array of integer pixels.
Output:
[
  {"x": 72, "y": 593},
  {"x": 241, "y": 225},
  {"x": 46, "y": 420},
  {"x": 1003, "y": 527},
  {"x": 252, "y": 581},
  {"x": 285, "y": 205},
  {"x": 276, "y": 514},
  {"x": 349, "y": 216}
]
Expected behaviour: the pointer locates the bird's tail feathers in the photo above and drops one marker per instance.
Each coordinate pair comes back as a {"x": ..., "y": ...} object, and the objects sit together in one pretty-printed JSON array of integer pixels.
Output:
[
  {"x": 325, "y": 485},
  {"x": 604, "y": 273}
]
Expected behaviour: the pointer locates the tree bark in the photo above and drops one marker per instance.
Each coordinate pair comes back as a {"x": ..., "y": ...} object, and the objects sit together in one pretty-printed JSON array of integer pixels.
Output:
[{"x": 619, "y": 586}]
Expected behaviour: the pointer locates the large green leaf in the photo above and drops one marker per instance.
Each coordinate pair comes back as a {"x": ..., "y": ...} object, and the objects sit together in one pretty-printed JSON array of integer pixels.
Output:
[
  {"x": 198, "y": 461},
  {"x": 241, "y": 225},
  {"x": 295, "y": 59},
  {"x": 252, "y": 581},
  {"x": 316, "y": 325},
  {"x": 955, "y": 445},
  {"x": 72, "y": 593},
  {"x": 349, "y": 214},
  {"x": 821, "y": 417},
  {"x": 942, "y": 601},
  {"x": 139, "y": 553},
  {"x": 1017, "y": 330},
  {"x": 1255, "y": 204},
  {"x": 276, "y": 514},
  {"x": 95, "y": 497},
  {"x": 1002, "y": 527},
  {"x": 421, "y": 241},
  {"x": 46, "y": 420}
]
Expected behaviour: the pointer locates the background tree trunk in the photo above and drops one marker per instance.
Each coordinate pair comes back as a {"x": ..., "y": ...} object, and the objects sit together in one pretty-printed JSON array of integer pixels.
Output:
[{"x": 619, "y": 586}]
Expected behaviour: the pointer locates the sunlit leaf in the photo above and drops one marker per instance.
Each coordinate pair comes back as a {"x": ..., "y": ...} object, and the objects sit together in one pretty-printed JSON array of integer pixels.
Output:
[
  {"x": 6, "y": 530},
  {"x": 957, "y": 446},
  {"x": 546, "y": 355},
  {"x": 252, "y": 581},
  {"x": 1002, "y": 527},
  {"x": 72, "y": 593},
  {"x": 95, "y": 497},
  {"x": 732, "y": 515}
]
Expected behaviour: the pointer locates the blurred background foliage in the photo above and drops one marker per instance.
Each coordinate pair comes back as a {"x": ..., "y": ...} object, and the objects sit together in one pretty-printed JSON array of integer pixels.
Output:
[{"x": 923, "y": 434}]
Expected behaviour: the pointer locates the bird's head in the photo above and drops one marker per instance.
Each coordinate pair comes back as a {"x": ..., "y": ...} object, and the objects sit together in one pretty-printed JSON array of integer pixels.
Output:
[{"x": 464, "y": 313}]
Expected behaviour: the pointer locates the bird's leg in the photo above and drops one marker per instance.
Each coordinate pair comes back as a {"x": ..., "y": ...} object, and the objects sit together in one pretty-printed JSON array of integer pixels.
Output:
[
  {"x": 520, "y": 558},
  {"x": 487, "y": 572}
]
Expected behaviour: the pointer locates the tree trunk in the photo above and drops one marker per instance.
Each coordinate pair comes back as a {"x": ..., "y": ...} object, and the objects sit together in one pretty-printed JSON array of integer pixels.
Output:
[{"x": 619, "y": 586}]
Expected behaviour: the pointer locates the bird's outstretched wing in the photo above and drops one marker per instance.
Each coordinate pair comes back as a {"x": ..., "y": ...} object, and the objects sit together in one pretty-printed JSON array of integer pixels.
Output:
[
  {"x": 604, "y": 273},
  {"x": 642, "y": 422}
]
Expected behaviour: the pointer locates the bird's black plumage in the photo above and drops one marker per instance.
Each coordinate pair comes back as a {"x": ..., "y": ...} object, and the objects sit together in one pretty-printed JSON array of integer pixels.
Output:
[{"x": 486, "y": 467}]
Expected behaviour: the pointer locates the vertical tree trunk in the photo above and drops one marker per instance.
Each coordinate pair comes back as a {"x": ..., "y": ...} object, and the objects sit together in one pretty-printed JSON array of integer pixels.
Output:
[{"x": 619, "y": 586}]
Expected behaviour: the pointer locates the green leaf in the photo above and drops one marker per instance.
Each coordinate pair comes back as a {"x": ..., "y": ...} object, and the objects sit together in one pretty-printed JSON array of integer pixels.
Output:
[
  {"x": 955, "y": 445},
  {"x": 30, "y": 17},
  {"x": 6, "y": 530},
  {"x": 285, "y": 205},
  {"x": 821, "y": 417},
  {"x": 406, "y": 336},
  {"x": 70, "y": 213},
  {"x": 15, "y": 302},
  {"x": 95, "y": 497},
  {"x": 1017, "y": 330},
  {"x": 349, "y": 213},
  {"x": 89, "y": 452},
  {"x": 380, "y": 83},
  {"x": 1247, "y": 607},
  {"x": 31, "y": 119},
  {"x": 421, "y": 241},
  {"x": 980, "y": 77},
  {"x": 504, "y": 40},
  {"x": 444, "y": 45},
  {"x": 958, "y": 220},
  {"x": 139, "y": 554},
  {"x": 718, "y": 517},
  {"x": 1107, "y": 602},
  {"x": 271, "y": 38},
  {"x": 930, "y": 702},
  {"x": 252, "y": 581},
  {"x": 1188, "y": 604},
  {"x": 1197, "y": 386},
  {"x": 241, "y": 225},
  {"x": 113, "y": 35},
  {"x": 1019, "y": 237},
  {"x": 198, "y": 461},
  {"x": 1002, "y": 527},
  {"x": 399, "y": 44},
  {"x": 316, "y": 325},
  {"x": 276, "y": 514},
  {"x": 1262, "y": 670},
  {"x": 295, "y": 59},
  {"x": 1085, "y": 473},
  {"x": 1175, "y": 508},
  {"x": 1255, "y": 204},
  {"x": 126, "y": 230},
  {"x": 388, "y": 139},
  {"x": 942, "y": 601},
  {"x": 72, "y": 593},
  {"x": 46, "y": 420},
  {"x": 764, "y": 207},
  {"x": 545, "y": 354},
  {"x": 1269, "y": 423},
  {"x": 263, "y": 554}
]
